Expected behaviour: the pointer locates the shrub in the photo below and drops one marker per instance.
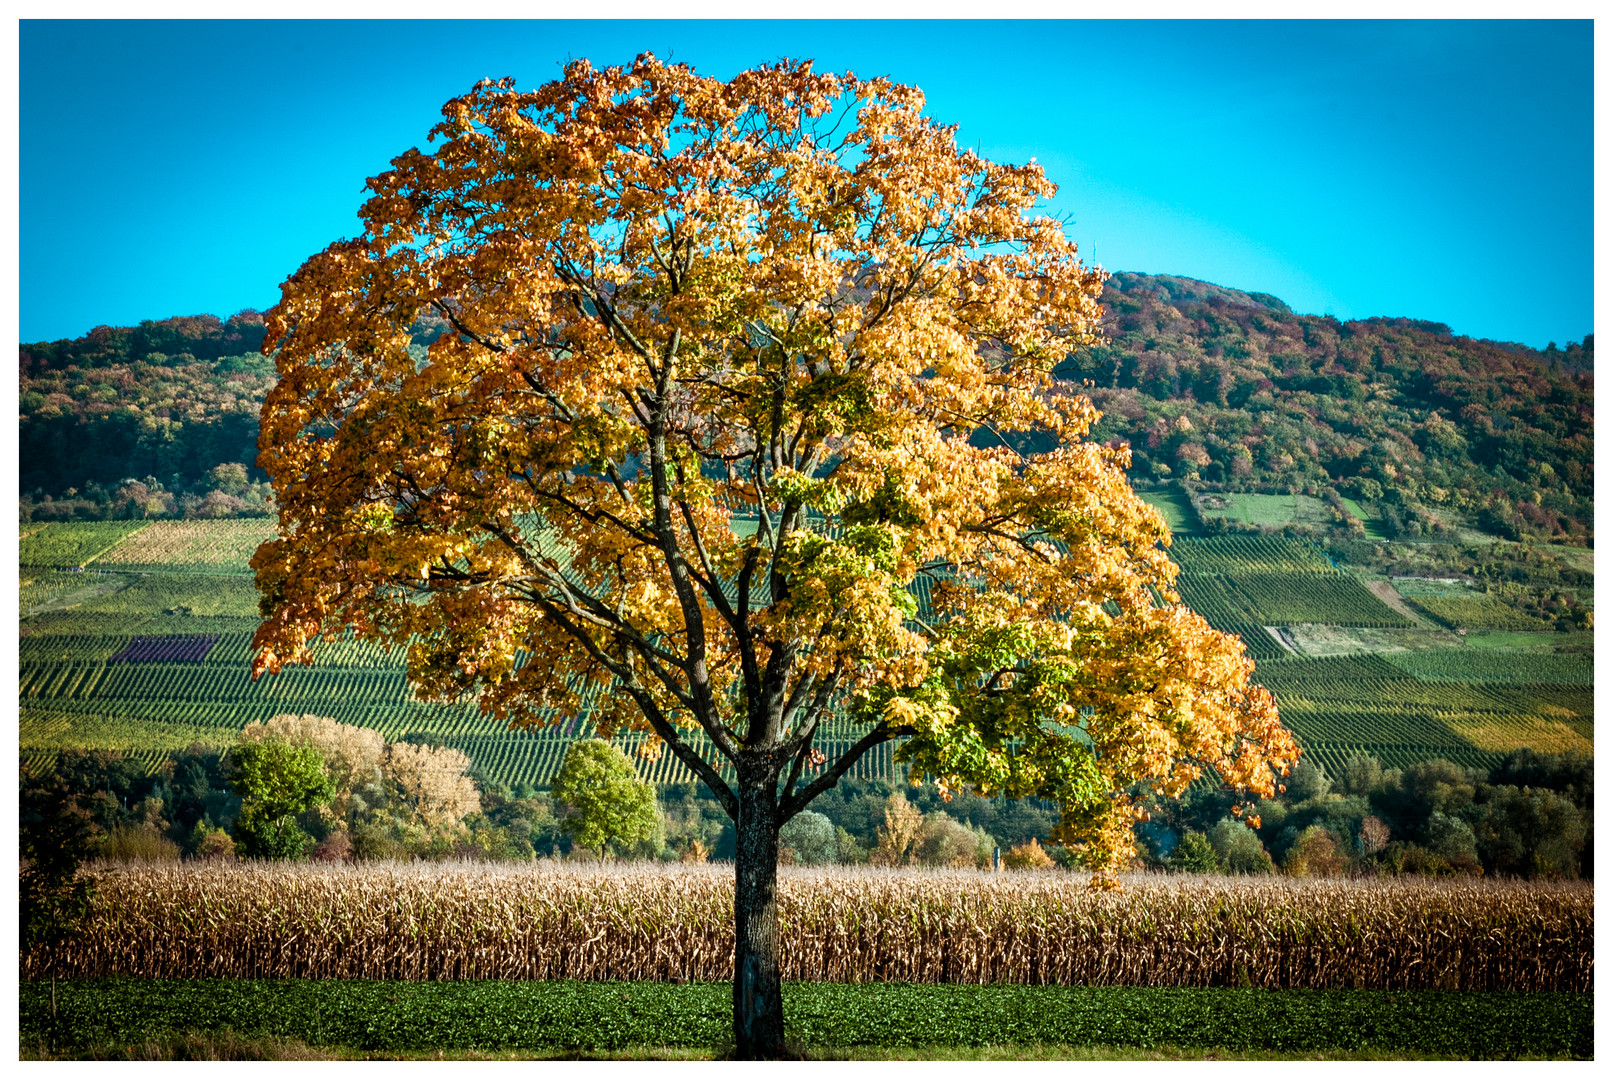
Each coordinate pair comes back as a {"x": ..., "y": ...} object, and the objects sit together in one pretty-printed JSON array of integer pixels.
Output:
[
  {"x": 217, "y": 845},
  {"x": 126, "y": 843},
  {"x": 1239, "y": 848},
  {"x": 809, "y": 838},
  {"x": 1315, "y": 854},
  {"x": 945, "y": 841},
  {"x": 1027, "y": 856},
  {"x": 336, "y": 847}
]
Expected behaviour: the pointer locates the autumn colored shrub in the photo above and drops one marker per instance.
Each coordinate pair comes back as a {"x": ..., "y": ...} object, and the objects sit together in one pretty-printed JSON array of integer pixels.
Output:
[
  {"x": 1315, "y": 854},
  {"x": 1027, "y": 856}
]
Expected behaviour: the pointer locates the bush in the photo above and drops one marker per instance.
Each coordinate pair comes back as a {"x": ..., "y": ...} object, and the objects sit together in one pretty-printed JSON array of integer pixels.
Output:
[
  {"x": 848, "y": 848},
  {"x": 1027, "y": 856},
  {"x": 945, "y": 841},
  {"x": 1239, "y": 848},
  {"x": 125, "y": 843},
  {"x": 336, "y": 847},
  {"x": 1315, "y": 854},
  {"x": 216, "y": 844},
  {"x": 809, "y": 838}
]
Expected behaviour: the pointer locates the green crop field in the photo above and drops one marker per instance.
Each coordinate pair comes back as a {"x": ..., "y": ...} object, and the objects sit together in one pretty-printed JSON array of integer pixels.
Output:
[
  {"x": 1271, "y": 581},
  {"x": 187, "y": 581},
  {"x": 1477, "y": 611}
]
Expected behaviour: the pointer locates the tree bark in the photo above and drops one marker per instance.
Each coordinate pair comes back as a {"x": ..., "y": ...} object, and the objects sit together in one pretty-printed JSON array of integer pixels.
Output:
[{"x": 758, "y": 994}]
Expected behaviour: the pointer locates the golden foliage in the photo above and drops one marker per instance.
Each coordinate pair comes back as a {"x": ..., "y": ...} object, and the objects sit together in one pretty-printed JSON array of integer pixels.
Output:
[
  {"x": 893, "y": 841},
  {"x": 434, "y": 780},
  {"x": 717, "y": 354},
  {"x": 1028, "y": 856}
]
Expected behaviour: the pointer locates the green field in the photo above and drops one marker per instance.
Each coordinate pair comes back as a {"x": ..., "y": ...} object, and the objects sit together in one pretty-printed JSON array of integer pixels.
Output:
[
  {"x": 358, "y": 1018},
  {"x": 1470, "y": 703},
  {"x": 1173, "y": 507},
  {"x": 1270, "y": 510}
]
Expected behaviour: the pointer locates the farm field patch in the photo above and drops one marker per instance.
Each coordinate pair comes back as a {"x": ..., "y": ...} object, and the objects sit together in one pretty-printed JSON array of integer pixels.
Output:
[
  {"x": 72, "y": 544},
  {"x": 827, "y": 1019},
  {"x": 547, "y": 920},
  {"x": 1271, "y": 581},
  {"x": 1256, "y": 509},
  {"x": 1173, "y": 507},
  {"x": 196, "y": 546},
  {"x": 1476, "y": 611}
]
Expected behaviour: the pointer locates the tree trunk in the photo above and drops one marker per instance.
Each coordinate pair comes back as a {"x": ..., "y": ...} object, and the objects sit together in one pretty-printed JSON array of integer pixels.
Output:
[{"x": 758, "y": 997}]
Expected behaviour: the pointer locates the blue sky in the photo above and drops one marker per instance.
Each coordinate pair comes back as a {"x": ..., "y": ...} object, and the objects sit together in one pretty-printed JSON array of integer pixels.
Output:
[{"x": 1438, "y": 170}]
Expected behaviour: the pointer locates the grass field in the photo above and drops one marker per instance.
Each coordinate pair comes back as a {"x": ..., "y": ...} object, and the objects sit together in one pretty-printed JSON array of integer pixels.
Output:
[
  {"x": 1173, "y": 507},
  {"x": 1370, "y": 521},
  {"x": 359, "y": 1018},
  {"x": 1269, "y": 510}
]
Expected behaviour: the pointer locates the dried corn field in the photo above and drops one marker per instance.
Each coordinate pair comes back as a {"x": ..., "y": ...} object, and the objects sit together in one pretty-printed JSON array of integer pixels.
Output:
[{"x": 549, "y": 921}]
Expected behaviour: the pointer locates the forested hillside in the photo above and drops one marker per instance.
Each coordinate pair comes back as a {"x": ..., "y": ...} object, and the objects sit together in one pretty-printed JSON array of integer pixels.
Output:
[
  {"x": 1212, "y": 387},
  {"x": 1231, "y": 389}
]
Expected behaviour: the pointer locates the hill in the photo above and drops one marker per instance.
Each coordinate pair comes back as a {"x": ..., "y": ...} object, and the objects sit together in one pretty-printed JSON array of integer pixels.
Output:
[
  {"x": 1424, "y": 429},
  {"x": 1397, "y": 425}
]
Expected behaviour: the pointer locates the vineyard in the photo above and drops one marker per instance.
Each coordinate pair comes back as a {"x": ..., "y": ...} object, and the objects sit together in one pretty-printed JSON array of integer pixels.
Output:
[
  {"x": 1237, "y": 582},
  {"x": 1476, "y": 612},
  {"x": 148, "y": 651},
  {"x": 73, "y": 545},
  {"x": 195, "y": 546}
]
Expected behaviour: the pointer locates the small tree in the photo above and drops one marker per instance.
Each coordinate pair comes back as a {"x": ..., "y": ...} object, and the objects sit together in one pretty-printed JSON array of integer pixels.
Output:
[
  {"x": 1194, "y": 854},
  {"x": 811, "y": 837},
  {"x": 608, "y": 803},
  {"x": 1239, "y": 849},
  {"x": 434, "y": 781},
  {"x": 894, "y": 840},
  {"x": 277, "y": 782},
  {"x": 56, "y": 837}
]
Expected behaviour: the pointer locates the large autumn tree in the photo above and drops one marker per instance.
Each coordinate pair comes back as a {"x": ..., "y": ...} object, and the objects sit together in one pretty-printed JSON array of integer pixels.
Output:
[{"x": 729, "y": 368}]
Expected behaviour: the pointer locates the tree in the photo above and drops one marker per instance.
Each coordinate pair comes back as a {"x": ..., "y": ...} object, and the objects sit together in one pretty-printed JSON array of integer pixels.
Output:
[
  {"x": 1195, "y": 854},
  {"x": 277, "y": 782},
  {"x": 894, "y": 840},
  {"x": 730, "y": 366},
  {"x": 434, "y": 781},
  {"x": 811, "y": 837},
  {"x": 353, "y": 755},
  {"x": 609, "y": 803},
  {"x": 57, "y": 835},
  {"x": 1238, "y": 848}
]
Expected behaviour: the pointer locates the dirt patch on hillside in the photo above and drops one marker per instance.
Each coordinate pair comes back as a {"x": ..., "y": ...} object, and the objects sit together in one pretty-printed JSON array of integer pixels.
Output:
[{"x": 1385, "y": 591}]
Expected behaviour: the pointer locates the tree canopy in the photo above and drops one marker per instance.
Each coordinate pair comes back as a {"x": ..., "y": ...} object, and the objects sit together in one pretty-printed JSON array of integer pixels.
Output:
[
  {"x": 608, "y": 803},
  {"x": 699, "y": 451}
]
